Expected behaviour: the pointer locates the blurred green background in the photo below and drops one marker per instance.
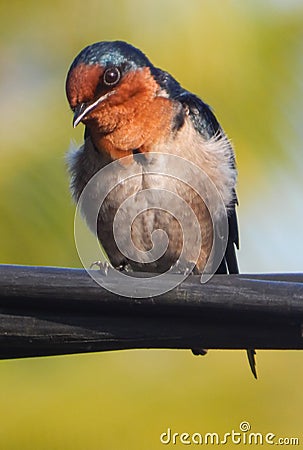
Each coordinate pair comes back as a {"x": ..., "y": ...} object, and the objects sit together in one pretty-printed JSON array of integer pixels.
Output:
[{"x": 245, "y": 59}]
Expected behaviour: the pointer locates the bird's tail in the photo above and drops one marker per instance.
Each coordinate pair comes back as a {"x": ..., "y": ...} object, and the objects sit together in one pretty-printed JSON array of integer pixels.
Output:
[{"x": 252, "y": 361}]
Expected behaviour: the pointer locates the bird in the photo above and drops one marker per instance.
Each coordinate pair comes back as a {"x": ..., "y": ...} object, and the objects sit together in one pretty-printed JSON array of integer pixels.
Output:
[{"x": 132, "y": 111}]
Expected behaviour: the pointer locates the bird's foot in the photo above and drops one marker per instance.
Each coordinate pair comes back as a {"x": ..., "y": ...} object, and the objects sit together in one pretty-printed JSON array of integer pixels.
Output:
[
  {"x": 104, "y": 267},
  {"x": 124, "y": 267},
  {"x": 182, "y": 267}
]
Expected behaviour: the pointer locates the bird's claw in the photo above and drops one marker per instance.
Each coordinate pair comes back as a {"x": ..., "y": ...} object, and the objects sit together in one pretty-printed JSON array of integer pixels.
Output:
[
  {"x": 104, "y": 266},
  {"x": 182, "y": 267},
  {"x": 124, "y": 268}
]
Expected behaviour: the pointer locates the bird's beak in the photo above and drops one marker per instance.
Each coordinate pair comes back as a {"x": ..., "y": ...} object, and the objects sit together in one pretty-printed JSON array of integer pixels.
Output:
[
  {"x": 83, "y": 109},
  {"x": 79, "y": 113}
]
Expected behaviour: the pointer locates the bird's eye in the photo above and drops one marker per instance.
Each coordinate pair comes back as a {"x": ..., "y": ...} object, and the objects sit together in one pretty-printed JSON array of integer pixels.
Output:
[{"x": 111, "y": 76}]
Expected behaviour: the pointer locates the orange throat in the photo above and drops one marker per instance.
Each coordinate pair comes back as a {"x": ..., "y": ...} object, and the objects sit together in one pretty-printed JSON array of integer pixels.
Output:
[{"x": 136, "y": 117}]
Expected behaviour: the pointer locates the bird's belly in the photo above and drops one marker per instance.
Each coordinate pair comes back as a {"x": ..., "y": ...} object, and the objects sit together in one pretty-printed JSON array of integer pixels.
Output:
[{"x": 151, "y": 221}]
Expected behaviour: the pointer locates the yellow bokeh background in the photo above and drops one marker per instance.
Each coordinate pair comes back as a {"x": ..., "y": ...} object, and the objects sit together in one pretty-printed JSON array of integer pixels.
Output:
[{"x": 244, "y": 59}]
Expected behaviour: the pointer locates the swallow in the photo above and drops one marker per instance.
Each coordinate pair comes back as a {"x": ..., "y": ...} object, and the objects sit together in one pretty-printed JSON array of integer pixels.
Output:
[{"x": 129, "y": 108}]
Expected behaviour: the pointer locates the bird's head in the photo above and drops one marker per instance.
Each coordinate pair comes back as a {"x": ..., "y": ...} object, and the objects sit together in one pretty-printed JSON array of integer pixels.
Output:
[
  {"x": 107, "y": 78},
  {"x": 125, "y": 101}
]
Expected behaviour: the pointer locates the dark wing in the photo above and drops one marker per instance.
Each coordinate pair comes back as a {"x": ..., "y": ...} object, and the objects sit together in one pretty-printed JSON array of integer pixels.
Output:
[{"x": 207, "y": 125}]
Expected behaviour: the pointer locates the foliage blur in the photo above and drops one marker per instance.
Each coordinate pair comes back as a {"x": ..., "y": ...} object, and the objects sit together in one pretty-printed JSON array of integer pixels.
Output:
[{"x": 244, "y": 59}]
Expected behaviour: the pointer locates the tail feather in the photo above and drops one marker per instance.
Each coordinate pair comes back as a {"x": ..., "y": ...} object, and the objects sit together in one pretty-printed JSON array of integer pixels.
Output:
[
  {"x": 232, "y": 266},
  {"x": 252, "y": 361}
]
